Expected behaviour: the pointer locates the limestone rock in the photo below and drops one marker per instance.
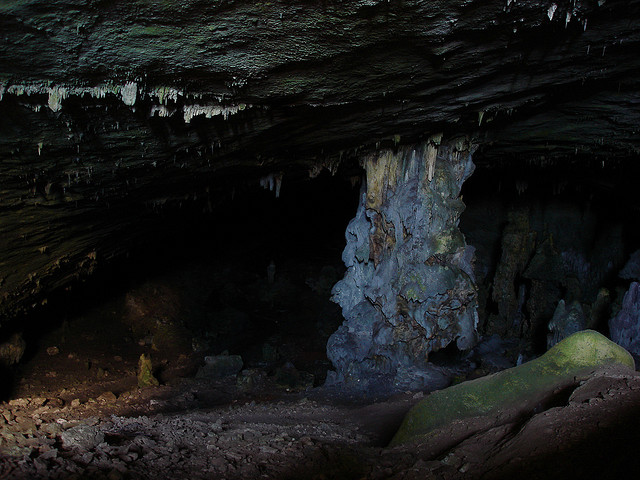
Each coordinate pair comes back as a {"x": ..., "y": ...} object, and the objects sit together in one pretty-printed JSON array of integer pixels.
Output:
[
  {"x": 145, "y": 372},
  {"x": 82, "y": 437},
  {"x": 107, "y": 397},
  {"x": 409, "y": 287},
  {"x": 523, "y": 387},
  {"x": 250, "y": 379},
  {"x": 53, "y": 351},
  {"x": 631, "y": 270},
  {"x": 625, "y": 326},
  {"x": 518, "y": 245},
  {"x": 566, "y": 321},
  {"x": 290, "y": 377},
  {"x": 12, "y": 350}
]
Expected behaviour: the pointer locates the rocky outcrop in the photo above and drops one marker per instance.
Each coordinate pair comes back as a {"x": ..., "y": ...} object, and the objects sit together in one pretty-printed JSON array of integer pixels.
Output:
[
  {"x": 566, "y": 321},
  {"x": 518, "y": 244},
  {"x": 624, "y": 327},
  {"x": 409, "y": 287},
  {"x": 515, "y": 393}
]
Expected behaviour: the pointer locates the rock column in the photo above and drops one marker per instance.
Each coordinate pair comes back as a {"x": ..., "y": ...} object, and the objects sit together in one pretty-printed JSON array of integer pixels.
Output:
[{"x": 409, "y": 288}]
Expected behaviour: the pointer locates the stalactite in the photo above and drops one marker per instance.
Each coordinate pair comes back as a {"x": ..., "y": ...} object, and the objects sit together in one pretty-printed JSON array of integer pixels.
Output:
[
  {"x": 129, "y": 93},
  {"x": 56, "y": 95},
  {"x": 210, "y": 111},
  {"x": 272, "y": 182}
]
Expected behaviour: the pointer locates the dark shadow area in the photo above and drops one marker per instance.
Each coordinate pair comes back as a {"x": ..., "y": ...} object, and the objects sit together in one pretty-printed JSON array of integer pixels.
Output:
[
  {"x": 546, "y": 232},
  {"x": 240, "y": 272},
  {"x": 609, "y": 453}
]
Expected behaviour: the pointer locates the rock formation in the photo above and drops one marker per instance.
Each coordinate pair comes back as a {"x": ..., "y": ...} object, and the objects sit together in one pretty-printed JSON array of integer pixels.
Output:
[
  {"x": 624, "y": 327},
  {"x": 409, "y": 287},
  {"x": 519, "y": 390}
]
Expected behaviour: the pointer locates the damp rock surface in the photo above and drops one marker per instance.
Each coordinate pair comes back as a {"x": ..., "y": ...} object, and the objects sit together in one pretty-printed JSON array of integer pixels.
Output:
[
  {"x": 518, "y": 390},
  {"x": 409, "y": 288},
  {"x": 624, "y": 327},
  {"x": 566, "y": 321}
]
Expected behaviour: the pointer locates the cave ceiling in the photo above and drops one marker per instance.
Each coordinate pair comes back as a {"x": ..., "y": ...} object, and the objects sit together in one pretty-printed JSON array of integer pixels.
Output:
[{"x": 110, "y": 108}]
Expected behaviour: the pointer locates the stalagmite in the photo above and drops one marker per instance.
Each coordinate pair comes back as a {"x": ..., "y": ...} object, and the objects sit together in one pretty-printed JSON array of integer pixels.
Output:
[{"x": 409, "y": 288}]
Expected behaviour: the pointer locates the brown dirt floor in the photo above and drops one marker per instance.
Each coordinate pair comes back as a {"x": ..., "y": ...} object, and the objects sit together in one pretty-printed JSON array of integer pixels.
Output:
[{"x": 80, "y": 415}]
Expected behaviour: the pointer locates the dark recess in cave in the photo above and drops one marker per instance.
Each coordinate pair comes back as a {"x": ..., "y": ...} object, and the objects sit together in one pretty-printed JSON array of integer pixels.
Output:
[
  {"x": 582, "y": 211},
  {"x": 211, "y": 257}
]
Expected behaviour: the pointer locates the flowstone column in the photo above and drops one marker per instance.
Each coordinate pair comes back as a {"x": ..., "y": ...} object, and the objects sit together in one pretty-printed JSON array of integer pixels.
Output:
[{"x": 409, "y": 288}]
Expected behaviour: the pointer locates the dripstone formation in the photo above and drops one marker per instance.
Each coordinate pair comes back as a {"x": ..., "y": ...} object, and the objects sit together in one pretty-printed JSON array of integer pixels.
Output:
[{"x": 409, "y": 287}]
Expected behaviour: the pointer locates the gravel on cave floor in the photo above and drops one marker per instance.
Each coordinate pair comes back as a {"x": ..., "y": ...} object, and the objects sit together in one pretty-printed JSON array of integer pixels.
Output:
[{"x": 203, "y": 429}]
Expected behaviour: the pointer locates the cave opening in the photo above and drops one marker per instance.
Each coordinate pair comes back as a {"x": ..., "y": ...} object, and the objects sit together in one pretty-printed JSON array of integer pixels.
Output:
[
  {"x": 208, "y": 208},
  {"x": 247, "y": 274}
]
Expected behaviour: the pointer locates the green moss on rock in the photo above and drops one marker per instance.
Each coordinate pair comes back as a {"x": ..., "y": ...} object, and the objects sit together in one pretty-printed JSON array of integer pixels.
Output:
[
  {"x": 524, "y": 386},
  {"x": 145, "y": 372}
]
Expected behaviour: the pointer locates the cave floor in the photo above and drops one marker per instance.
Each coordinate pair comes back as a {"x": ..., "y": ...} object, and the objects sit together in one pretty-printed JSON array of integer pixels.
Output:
[
  {"x": 213, "y": 429},
  {"x": 76, "y": 412}
]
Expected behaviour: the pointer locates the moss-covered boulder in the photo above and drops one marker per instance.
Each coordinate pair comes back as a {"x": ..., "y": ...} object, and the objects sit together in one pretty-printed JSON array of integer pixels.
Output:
[{"x": 512, "y": 392}]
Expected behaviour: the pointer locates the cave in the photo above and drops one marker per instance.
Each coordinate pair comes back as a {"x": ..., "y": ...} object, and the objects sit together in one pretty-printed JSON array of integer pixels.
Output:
[{"x": 255, "y": 239}]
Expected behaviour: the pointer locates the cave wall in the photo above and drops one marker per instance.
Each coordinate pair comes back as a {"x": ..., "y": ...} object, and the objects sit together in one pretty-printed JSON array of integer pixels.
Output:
[
  {"x": 113, "y": 111},
  {"x": 552, "y": 247}
]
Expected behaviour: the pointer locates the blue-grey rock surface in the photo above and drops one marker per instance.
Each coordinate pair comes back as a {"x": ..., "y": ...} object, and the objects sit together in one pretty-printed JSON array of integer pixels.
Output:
[
  {"x": 566, "y": 321},
  {"x": 409, "y": 287},
  {"x": 631, "y": 270},
  {"x": 624, "y": 328}
]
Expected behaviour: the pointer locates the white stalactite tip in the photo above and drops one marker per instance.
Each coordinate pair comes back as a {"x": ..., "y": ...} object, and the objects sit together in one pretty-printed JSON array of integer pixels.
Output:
[
  {"x": 56, "y": 95},
  {"x": 210, "y": 111},
  {"x": 552, "y": 10},
  {"x": 161, "y": 110},
  {"x": 129, "y": 92},
  {"x": 272, "y": 182}
]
